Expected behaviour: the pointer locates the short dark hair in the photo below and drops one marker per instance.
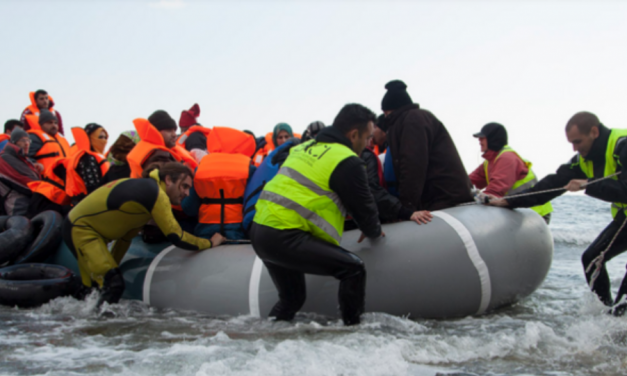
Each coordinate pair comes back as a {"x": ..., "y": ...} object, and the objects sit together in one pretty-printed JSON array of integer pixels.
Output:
[
  {"x": 584, "y": 121},
  {"x": 10, "y": 124},
  {"x": 40, "y": 92},
  {"x": 175, "y": 170},
  {"x": 353, "y": 116}
]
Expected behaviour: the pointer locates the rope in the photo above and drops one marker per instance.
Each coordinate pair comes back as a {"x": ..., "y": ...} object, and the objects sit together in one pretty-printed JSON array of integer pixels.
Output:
[
  {"x": 598, "y": 261},
  {"x": 548, "y": 190}
]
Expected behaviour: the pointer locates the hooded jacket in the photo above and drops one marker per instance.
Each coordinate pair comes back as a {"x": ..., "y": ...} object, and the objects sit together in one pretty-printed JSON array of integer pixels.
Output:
[
  {"x": 430, "y": 173},
  {"x": 16, "y": 171}
]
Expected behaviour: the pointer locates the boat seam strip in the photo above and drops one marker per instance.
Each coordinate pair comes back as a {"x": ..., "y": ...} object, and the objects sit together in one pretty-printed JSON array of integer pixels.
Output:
[
  {"x": 253, "y": 288},
  {"x": 151, "y": 271},
  {"x": 475, "y": 258}
]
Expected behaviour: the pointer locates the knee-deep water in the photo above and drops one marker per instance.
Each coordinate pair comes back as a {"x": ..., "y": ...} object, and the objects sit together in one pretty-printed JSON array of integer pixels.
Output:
[{"x": 561, "y": 329}]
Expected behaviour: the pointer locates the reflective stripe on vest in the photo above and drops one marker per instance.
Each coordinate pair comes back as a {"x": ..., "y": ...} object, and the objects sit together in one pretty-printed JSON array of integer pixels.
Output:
[
  {"x": 523, "y": 184},
  {"x": 299, "y": 196},
  {"x": 611, "y": 165}
]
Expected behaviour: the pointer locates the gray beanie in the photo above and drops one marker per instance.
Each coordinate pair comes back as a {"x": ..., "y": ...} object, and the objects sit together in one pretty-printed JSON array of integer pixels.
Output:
[
  {"x": 45, "y": 116},
  {"x": 17, "y": 134}
]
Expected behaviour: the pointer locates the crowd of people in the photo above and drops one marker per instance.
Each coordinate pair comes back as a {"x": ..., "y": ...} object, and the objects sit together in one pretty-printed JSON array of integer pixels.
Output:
[{"x": 292, "y": 195}]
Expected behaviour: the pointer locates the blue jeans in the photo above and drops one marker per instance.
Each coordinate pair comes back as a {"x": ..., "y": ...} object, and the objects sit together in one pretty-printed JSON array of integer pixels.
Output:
[{"x": 232, "y": 231}]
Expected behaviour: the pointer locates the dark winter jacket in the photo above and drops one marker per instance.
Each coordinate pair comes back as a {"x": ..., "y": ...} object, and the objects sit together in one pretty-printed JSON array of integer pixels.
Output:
[
  {"x": 430, "y": 173},
  {"x": 16, "y": 170},
  {"x": 607, "y": 190},
  {"x": 350, "y": 182},
  {"x": 389, "y": 206}
]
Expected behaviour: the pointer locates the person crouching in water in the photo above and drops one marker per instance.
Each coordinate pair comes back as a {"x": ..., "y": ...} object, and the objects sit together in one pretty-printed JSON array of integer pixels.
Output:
[
  {"x": 300, "y": 215},
  {"x": 117, "y": 211}
]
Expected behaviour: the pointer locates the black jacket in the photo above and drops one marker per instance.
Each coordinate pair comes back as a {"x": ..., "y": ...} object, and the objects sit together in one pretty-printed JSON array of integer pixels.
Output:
[
  {"x": 607, "y": 190},
  {"x": 350, "y": 182},
  {"x": 429, "y": 171},
  {"x": 389, "y": 206}
]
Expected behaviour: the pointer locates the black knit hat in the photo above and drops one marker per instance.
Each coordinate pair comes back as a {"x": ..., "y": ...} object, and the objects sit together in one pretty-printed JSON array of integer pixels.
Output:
[
  {"x": 495, "y": 133},
  {"x": 46, "y": 116},
  {"x": 396, "y": 96},
  {"x": 91, "y": 128},
  {"x": 162, "y": 121}
]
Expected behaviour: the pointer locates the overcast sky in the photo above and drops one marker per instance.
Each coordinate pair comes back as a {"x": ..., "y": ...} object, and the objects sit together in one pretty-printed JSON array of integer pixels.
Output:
[{"x": 528, "y": 65}]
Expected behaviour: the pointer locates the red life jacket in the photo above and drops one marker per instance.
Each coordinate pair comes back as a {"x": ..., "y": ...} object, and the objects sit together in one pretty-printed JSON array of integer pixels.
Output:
[{"x": 74, "y": 184}]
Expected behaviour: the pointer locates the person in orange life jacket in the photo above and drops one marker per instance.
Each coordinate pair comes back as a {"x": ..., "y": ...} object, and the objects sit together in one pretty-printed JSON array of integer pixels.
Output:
[
  {"x": 47, "y": 144},
  {"x": 16, "y": 171},
  {"x": 40, "y": 100},
  {"x": 281, "y": 133},
  {"x": 390, "y": 207},
  {"x": 87, "y": 167},
  {"x": 430, "y": 173},
  {"x": 230, "y": 150},
  {"x": 158, "y": 144},
  {"x": 312, "y": 130},
  {"x": 118, "y": 166},
  {"x": 195, "y": 139},
  {"x": 49, "y": 193},
  {"x": 594, "y": 143},
  {"x": 8, "y": 128}
]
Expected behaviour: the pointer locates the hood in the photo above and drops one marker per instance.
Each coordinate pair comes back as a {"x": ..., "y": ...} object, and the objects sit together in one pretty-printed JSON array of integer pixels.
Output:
[
  {"x": 333, "y": 135},
  {"x": 34, "y": 103}
]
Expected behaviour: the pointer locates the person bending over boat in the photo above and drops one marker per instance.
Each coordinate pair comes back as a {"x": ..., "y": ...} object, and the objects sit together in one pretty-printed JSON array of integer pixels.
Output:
[
  {"x": 424, "y": 159},
  {"x": 300, "y": 215},
  {"x": 116, "y": 212},
  {"x": 600, "y": 153},
  {"x": 504, "y": 172}
]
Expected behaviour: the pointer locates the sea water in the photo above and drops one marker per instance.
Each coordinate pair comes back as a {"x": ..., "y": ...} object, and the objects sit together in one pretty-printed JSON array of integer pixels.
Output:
[{"x": 561, "y": 329}]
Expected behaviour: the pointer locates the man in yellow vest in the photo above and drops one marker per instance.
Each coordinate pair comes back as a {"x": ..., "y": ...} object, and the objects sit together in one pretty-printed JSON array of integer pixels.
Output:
[
  {"x": 600, "y": 153},
  {"x": 504, "y": 172},
  {"x": 300, "y": 215}
]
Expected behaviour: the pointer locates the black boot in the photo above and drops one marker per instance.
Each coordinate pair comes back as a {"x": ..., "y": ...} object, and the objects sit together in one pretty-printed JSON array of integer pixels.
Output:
[
  {"x": 352, "y": 297},
  {"x": 113, "y": 287}
]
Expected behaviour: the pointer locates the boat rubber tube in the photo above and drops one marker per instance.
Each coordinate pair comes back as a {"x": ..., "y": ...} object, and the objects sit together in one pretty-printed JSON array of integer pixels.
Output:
[
  {"x": 15, "y": 237},
  {"x": 46, "y": 228},
  {"x": 31, "y": 285}
]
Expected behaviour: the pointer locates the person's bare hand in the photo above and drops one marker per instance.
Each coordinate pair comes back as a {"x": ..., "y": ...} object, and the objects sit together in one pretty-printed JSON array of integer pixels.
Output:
[
  {"x": 363, "y": 236},
  {"x": 576, "y": 185},
  {"x": 497, "y": 201},
  {"x": 217, "y": 239},
  {"x": 421, "y": 217},
  {"x": 39, "y": 167}
]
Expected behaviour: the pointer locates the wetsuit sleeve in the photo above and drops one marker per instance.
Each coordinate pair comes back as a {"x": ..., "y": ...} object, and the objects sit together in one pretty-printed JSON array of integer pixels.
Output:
[
  {"x": 191, "y": 203},
  {"x": 559, "y": 179},
  {"x": 388, "y": 205},
  {"x": 35, "y": 145},
  {"x": 477, "y": 177},
  {"x": 350, "y": 182},
  {"x": 612, "y": 190},
  {"x": 162, "y": 215}
]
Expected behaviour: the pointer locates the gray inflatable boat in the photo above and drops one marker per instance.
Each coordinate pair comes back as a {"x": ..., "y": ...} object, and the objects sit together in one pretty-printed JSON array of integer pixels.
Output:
[{"x": 469, "y": 260}]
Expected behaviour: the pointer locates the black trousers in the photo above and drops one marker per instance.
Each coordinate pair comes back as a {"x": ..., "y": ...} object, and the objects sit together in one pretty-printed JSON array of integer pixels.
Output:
[
  {"x": 602, "y": 284},
  {"x": 290, "y": 254}
]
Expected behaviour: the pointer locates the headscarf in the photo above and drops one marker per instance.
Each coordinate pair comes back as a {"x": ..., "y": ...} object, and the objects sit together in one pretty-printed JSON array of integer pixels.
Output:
[
  {"x": 281, "y": 127},
  {"x": 98, "y": 137}
]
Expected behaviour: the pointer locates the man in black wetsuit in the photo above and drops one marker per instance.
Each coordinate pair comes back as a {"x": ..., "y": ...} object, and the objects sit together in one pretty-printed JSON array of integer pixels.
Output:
[{"x": 601, "y": 153}]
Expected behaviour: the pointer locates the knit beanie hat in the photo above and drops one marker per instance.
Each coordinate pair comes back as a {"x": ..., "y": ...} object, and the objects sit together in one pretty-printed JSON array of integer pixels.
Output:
[
  {"x": 496, "y": 134},
  {"x": 162, "y": 121},
  {"x": 46, "y": 116},
  {"x": 381, "y": 123},
  {"x": 281, "y": 127},
  {"x": 396, "y": 96},
  {"x": 17, "y": 134},
  {"x": 189, "y": 117}
]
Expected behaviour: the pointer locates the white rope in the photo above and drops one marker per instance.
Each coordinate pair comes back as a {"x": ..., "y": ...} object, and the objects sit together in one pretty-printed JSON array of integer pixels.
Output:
[{"x": 598, "y": 261}]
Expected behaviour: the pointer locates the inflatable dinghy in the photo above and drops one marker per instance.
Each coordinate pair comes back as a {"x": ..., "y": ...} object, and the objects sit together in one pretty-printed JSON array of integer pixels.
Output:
[{"x": 469, "y": 260}]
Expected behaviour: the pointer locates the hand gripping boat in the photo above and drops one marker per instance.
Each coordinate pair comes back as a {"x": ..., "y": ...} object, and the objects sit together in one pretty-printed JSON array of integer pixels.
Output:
[{"x": 467, "y": 261}]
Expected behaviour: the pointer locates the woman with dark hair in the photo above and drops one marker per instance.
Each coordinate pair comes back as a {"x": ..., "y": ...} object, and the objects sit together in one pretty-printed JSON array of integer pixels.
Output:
[{"x": 116, "y": 212}]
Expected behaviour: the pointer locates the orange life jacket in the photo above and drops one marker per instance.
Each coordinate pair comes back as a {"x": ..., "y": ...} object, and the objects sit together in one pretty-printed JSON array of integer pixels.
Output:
[
  {"x": 34, "y": 110},
  {"x": 74, "y": 184},
  {"x": 220, "y": 182},
  {"x": 196, "y": 128},
  {"x": 52, "y": 186},
  {"x": 54, "y": 147},
  {"x": 152, "y": 140},
  {"x": 230, "y": 141},
  {"x": 267, "y": 149},
  {"x": 4, "y": 137}
]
